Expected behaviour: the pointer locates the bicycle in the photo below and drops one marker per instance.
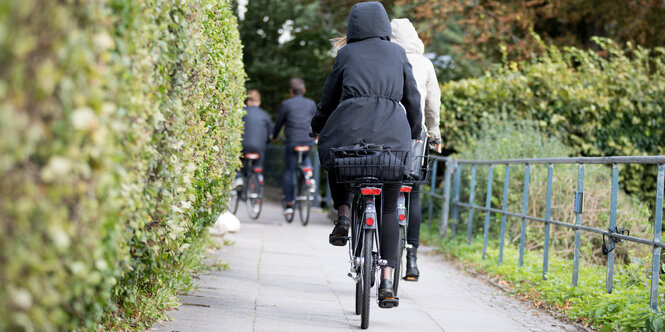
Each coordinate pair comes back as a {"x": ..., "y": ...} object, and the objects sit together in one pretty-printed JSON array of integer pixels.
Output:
[
  {"x": 367, "y": 172},
  {"x": 305, "y": 187},
  {"x": 251, "y": 191}
]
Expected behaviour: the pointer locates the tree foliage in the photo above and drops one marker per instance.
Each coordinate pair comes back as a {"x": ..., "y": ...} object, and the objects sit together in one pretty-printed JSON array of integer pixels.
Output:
[
  {"x": 270, "y": 63},
  {"x": 489, "y": 24}
]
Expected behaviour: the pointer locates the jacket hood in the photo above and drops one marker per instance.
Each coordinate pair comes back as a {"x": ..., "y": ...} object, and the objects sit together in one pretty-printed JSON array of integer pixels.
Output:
[
  {"x": 405, "y": 35},
  {"x": 368, "y": 20}
]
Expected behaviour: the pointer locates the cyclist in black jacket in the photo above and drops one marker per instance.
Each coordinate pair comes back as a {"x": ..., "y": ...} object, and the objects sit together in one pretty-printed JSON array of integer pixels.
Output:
[
  {"x": 362, "y": 100},
  {"x": 295, "y": 115}
]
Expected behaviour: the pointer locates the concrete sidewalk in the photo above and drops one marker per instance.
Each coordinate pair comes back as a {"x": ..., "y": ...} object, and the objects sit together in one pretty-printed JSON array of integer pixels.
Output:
[{"x": 286, "y": 277}]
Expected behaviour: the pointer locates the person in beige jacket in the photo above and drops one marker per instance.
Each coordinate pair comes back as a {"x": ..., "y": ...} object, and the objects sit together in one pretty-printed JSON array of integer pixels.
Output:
[{"x": 405, "y": 35}]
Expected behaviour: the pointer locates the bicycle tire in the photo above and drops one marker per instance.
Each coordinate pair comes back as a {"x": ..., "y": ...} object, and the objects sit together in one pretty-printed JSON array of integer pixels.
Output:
[
  {"x": 367, "y": 271},
  {"x": 254, "y": 200},
  {"x": 397, "y": 272},
  {"x": 234, "y": 198},
  {"x": 356, "y": 237},
  {"x": 304, "y": 201}
]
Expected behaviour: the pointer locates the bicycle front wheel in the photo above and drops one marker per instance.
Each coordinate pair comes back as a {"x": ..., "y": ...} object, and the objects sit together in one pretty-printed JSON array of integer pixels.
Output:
[
  {"x": 234, "y": 198},
  {"x": 254, "y": 196},
  {"x": 303, "y": 200},
  {"x": 367, "y": 272}
]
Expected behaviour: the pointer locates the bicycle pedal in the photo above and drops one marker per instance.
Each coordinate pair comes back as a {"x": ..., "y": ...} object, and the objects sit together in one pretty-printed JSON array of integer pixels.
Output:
[
  {"x": 337, "y": 240},
  {"x": 410, "y": 278},
  {"x": 389, "y": 302}
]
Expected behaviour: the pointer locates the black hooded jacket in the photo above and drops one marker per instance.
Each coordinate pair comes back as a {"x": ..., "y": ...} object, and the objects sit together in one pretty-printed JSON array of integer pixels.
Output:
[{"x": 371, "y": 94}]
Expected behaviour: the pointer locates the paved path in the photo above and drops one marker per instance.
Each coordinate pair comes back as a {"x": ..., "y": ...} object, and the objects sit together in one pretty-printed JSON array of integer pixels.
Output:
[{"x": 286, "y": 277}]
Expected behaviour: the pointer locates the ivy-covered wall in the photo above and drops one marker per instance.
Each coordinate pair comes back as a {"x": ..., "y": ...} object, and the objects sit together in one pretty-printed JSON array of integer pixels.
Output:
[
  {"x": 599, "y": 106},
  {"x": 119, "y": 135}
]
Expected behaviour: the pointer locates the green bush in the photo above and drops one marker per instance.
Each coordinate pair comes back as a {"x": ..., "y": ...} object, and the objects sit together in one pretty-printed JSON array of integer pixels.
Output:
[
  {"x": 598, "y": 106},
  {"x": 119, "y": 135},
  {"x": 505, "y": 140}
]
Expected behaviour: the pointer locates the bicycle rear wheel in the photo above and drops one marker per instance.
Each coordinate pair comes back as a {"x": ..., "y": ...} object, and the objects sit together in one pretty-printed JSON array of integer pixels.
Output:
[
  {"x": 367, "y": 272},
  {"x": 397, "y": 272},
  {"x": 303, "y": 200},
  {"x": 254, "y": 196}
]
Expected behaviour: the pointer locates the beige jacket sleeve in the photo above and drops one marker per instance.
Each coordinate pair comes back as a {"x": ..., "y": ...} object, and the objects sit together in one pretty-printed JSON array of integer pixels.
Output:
[{"x": 433, "y": 105}]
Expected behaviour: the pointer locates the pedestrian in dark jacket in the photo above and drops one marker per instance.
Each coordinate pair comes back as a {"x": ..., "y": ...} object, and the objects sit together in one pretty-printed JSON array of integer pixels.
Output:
[
  {"x": 361, "y": 101},
  {"x": 295, "y": 114},
  {"x": 258, "y": 127}
]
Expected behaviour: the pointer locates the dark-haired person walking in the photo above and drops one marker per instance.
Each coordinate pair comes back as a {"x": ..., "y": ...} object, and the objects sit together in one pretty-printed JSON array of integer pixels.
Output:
[
  {"x": 370, "y": 95},
  {"x": 295, "y": 114}
]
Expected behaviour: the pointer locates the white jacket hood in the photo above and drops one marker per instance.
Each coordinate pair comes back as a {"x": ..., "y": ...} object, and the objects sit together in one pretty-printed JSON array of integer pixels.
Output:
[{"x": 405, "y": 35}]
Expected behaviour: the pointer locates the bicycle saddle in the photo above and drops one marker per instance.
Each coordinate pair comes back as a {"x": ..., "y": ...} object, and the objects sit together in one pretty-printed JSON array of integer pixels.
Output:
[{"x": 301, "y": 148}]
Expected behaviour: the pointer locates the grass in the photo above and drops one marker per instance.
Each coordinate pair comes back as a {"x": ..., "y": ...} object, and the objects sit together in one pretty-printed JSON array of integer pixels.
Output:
[{"x": 625, "y": 309}]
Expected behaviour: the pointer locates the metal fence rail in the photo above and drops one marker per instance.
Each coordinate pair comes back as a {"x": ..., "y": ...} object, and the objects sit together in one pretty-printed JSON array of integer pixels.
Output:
[{"x": 452, "y": 205}]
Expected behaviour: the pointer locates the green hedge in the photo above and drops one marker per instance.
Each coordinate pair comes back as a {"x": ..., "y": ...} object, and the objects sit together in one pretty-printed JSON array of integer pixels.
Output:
[
  {"x": 119, "y": 133},
  {"x": 599, "y": 106}
]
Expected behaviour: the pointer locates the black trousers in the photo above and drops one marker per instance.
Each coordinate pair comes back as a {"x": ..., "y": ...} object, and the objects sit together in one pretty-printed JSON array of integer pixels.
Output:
[
  {"x": 388, "y": 226},
  {"x": 413, "y": 229}
]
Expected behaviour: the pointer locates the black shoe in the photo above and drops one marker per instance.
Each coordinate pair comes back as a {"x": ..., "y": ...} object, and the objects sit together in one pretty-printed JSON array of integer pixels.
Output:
[
  {"x": 412, "y": 273},
  {"x": 340, "y": 233},
  {"x": 387, "y": 297}
]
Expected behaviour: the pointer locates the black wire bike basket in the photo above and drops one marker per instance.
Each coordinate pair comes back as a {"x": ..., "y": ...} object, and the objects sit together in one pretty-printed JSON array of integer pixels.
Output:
[{"x": 368, "y": 163}]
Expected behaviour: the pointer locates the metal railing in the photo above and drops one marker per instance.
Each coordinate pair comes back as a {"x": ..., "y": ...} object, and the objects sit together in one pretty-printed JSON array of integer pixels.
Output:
[{"x": 452, "y": 205}]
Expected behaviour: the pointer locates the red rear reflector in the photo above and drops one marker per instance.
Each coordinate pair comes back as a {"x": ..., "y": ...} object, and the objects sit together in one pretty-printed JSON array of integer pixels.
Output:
[
  {"x": 308, "y": 182},
  {"x": 370, "y": 191},
  {"x": 258, "y": 170},
  {"x": 405, "y": 189},
  {"x": 369, "y": 221},
  {"x": 261, "y": 181},
  {"x": 307, "y": 169},
  {"x": 402, "y": 217}
]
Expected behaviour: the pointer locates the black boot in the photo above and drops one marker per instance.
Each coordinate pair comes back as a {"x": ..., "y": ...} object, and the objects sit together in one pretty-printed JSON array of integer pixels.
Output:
[
  {"x": 340, "y": 233},
  {"x": 412, "y": 273},
  {"x": 387, "y": 297}
]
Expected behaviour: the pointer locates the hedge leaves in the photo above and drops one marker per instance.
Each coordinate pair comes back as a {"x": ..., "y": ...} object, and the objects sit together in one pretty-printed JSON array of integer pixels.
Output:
[{"x": 119, "y": 133}]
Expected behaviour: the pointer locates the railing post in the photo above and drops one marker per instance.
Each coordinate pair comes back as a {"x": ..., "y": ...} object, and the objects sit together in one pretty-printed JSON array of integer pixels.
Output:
[
  {"x": 579, "y": 207},
  {"x": 456, "y": 190},
  {"x": 658, "y": 224},
  {"x": 488, "y": 205},
  {"x": 548, "y": 217},
  {"x": 446, "y": 197},
  {"x": 472, "y": 195},
  {"x": 506, "y": 183},
  {"x": 613, "y": 224},
  {"x": 432, "y": 190},
  {"x": 525, "y": 207}
]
